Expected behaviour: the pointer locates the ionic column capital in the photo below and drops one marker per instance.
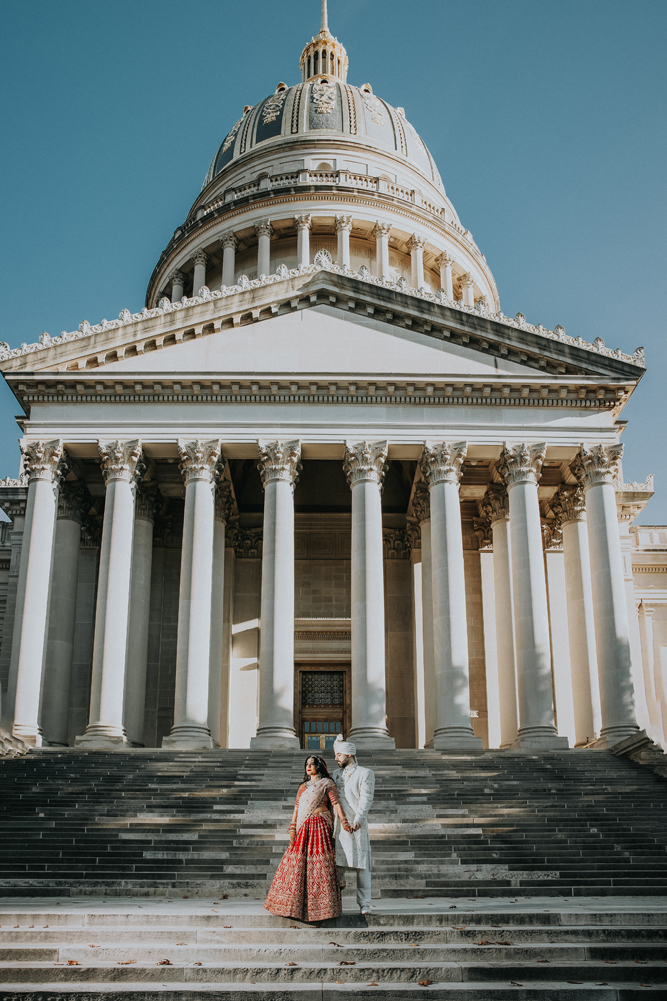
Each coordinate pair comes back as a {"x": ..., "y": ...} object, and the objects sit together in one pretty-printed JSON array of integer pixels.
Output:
[
  {"x": 200, "y": 258},
  {"x": 43, "y": 460},
  {"x": 279, "y": 460},
  {"x": 264, "y": 228},
  {"x": 597, "y": 464},
  {"x": 494, "y": 505},
  {"x": 365, "y": 460},
  {"x": 229, "y": 240},
  {"x": 521, "y": 463},
  {"x": 224, "y": 501},
  {"x": 199, "y": 460},
  {"x": 73, "y": 502},
  {"x": 442, "y": 462},
  {"x": 421, "y": 503},
  {"x": 343, "y": 223},
  {"x": 121, "y": 460},
  {"x": 382, "y": 229},
  {"x": 303, "y": 221},
  {"x": 568, "y": 505},
  {"x": 416, "y": 242}
]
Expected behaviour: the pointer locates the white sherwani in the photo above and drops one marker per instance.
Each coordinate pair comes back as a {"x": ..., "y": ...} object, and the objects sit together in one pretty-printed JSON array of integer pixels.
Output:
[{"x": 356, "y": 787}]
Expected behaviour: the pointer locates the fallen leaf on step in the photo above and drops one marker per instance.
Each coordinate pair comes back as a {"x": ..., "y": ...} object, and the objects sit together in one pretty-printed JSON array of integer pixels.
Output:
[
  {"x": 58, "y": 964},
  {"x": 290, "y": 964},
  {"x": 459, "y": 927},
  {"x": 196, "y": 964},
  {"x": 126, "y": 962},
  {"x": 185, "y": 896},
  {"x": 415, "y": 943},
  {"x": 452, "y": 907},
  {"x": 43, "y": 926},
  {"x": 483, "y": 941},
  {"x": 224, "y": 897},
  {"x": 164, "y": 962},
  {"x": 513, "y": 983},
  {"x": 336, "y": 944},
  {"x": 425, "y": 983},
  {"x": 416, "y": 898},
  {"x": 542, "y": 960},
  {"x": 31, "y": 926},
  {"x": 340, "y": 981},
  {"x": 503, "y": 943},
  {"x": 227, "y": 926},
  {"x": 72, "y": 962},
  {"x": 347, "y": 962},
  {"x": 373, "y": 984},
  {"x": 611, "y": 962},
  {"x": 641, "y": 962},
  {"x": 93, "y": 946},
  {"x": 181, "y": 943},
  {"x": 17, "y": 926}
]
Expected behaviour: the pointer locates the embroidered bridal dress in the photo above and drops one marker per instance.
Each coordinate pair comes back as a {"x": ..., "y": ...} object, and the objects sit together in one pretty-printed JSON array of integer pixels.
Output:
[{"x": 305, "y": 885}]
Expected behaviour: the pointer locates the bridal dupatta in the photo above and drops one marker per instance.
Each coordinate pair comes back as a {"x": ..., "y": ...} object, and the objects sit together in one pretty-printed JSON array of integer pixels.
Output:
[{"x": 305, "y": 885}]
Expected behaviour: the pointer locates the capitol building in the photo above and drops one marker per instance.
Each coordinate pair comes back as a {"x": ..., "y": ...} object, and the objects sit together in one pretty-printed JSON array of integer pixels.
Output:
[{"x": 321, "y": 482}]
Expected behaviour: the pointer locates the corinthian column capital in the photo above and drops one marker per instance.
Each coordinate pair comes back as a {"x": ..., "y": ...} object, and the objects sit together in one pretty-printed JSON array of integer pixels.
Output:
[
  {"x": 177, "y": 278},
  {"x": 494, "y": 505},
  {"x": 73, "y": 502},
  {"x": 597, "y": 464},
  {"x": 199, "y": 459},
  {"x": 521, "y": 463},
  {"x": 443, "y": 260},
  {"x": 279, "y": 460},
  {"x": 303, "y": 221},
  {"x": 148, "y": 502},
  {"x": 442, "y": 462},
  {"x": 421, "y": 503},
  {"x": 264, "y": 228},
  {"x": 43, "y": 460},
  {"x": 200, "y": 258},
  {"x": 382, "y": 229},
  {"x": 223, "y": 501},
  {"x": 365, "y": 460},
  {"x": 568, "y": 505},
  {"x": 343, "y": 222},
  {"x": 121, "y": 460},
  {"x": 416, "y": 242},
  {"x": 229, "y": 240}
]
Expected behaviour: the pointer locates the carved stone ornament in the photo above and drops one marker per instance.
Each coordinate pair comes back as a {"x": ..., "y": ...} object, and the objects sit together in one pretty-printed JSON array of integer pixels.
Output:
[
  {"x": 200, "y": 258},
  {"x": 442, "y": 462},
  {"x": 43, "y": 460},
  {"x": 494, "y": 505},
  {"x": 73, "y": 501},
  {"x": 552, "y": 536},
  {"x": 343, "y": 222},
  {"x": 177, "y": 278},
  {"x": 444, "y": 260},
  {"x": 279, "y": 460},
  {"x": 148, "y": 502},
  {"x": 416, "y": 242},
  {"x": 382, "y": 229},
  {"x": 246, "y": 542},
  {"x": 521, "y": 463},
  {"x": 597, "y": 464},
  {"x": 199, "y": 459},
  {"x": 91, "y": 532},
  {"x": 467, "y": 280},
  {"x": 121, "y": 460},
  {"x": 365, "y": 460},
  {"x": 264, "y": 228},
  {"x": 568, "y": 504},
  {"x": 397, "y": 544},
  {"x": 224, "y": 501},
  {"x": 303, "y": 222},
  {"x": 324, "y": 97},
  {"x": 229, "y": 240},
  {"x": 323, "y": 258},
  {"x": 482, "y": 529},
  {"x": 421, "y": 503}
]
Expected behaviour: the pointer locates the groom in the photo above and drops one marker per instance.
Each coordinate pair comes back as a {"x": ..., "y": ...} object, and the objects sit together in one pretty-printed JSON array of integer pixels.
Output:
[{"x": 356, "y": 786}]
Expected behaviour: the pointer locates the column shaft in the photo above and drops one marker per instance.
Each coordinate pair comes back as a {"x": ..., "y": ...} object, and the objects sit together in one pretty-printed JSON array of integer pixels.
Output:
[
  {"x": 279, "y": 464},
  {"x": 229, "y": 244},
  {"x": 137, "y": 646},
  {"x": 446, "y": 280},
  {"x": 177, "y": 286},
  {"x": 302, "y": 240},
  {"x": 199, "y": 277},
  {"x": 41, "y": 462},
  {"x": 416, "y": 245},
  {"x": 216, "y": 683},
  {"x": 343, "y": 228},
  {"x": 264, "y": 231},
  {"x": 442, "y": 465},
  {"x": 381, "y": 232},
  {"x": 581, "y": 626},
  {"x": 504, "y": 607}
]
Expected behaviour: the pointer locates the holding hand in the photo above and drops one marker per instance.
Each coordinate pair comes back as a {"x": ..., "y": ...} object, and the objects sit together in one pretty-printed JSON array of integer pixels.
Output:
[{"x": 292, "y": 834}]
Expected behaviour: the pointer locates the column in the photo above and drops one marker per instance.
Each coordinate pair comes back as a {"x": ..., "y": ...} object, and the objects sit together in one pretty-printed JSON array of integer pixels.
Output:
[
  {"x": 561, "y": 669},
  {"x": 43, "y": 465},
  {"x": 146, "y": 508},
  {"x": 303, "y": 226},
  {"x": 468, "y": 290},
  {"x": 216, "y": 683},
  {"x": 121, "y": 468},
  {"x": 422, "y": 512},
  {"x": 655, "y": 677},
  {"x": 381, "y": 234},
  {"x": 279, "y": 464},
  {"x": 14, "y": 502},
  {"x": 343, "y": 229},
  {"x": 493, "y": 705},
  {"x": 519, "y": 467},
  {"x": 264, "y": 229},
  {"x": 199, "y": 468},
  {"x": 229, "y": 245},
  {"x": 200, "y": 260},
  {"x": 416, "y": 246},
  {"x": 73, "y": 499},
  {"x": 495, "y": 507},
  {"x": 568, "y": 505},
  {"x": 445, "y": 262},
  {"x": 365, "y": 465},
  {"x": 595, "y": 468},
  {"x": 177, "y": 285},
  {"x": 442, "y": 466}
]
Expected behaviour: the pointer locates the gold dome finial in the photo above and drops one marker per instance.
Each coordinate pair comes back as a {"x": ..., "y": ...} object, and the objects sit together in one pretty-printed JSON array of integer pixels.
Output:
[{"x": 324, "y": 55}]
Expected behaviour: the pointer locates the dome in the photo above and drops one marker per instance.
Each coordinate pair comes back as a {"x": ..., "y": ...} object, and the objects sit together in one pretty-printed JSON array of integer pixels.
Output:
[{"x": 325, "y": 107}]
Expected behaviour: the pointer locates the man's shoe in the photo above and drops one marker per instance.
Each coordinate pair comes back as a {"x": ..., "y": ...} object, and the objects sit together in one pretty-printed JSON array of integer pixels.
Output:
[{"x": 365, "y": 910}]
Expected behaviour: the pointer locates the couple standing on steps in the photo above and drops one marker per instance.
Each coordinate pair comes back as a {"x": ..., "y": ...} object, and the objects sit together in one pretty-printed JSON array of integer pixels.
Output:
[{"x": 308, "y": 882}]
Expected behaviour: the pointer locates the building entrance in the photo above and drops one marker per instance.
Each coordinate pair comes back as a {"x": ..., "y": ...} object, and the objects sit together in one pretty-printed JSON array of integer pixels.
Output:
[{"x": 323, "y": 704}]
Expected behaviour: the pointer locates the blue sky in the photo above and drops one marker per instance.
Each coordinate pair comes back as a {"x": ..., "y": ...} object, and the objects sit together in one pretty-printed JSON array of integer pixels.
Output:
[{"x": 546, "y": 118}]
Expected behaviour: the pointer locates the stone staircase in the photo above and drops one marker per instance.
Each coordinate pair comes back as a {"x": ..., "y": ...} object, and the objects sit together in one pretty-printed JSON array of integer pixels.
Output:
[
  {"x": 450, "y": 833},
  {"x": 215, "y": 823}
]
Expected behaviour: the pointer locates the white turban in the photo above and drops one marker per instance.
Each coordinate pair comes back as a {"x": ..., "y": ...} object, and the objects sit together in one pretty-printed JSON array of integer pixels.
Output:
[{"x": 344, "y": 746}]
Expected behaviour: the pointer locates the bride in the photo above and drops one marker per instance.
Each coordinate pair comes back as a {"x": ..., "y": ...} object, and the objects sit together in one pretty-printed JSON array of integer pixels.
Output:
[{"x": 306, "y": 885}]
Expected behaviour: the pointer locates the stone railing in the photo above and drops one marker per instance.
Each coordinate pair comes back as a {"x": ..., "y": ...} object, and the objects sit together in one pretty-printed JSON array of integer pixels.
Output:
[{"x": 323, "y": 262}]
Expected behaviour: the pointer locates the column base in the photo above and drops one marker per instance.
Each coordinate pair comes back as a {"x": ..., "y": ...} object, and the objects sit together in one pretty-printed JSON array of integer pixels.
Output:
[
  {"x": 99, "y": 739},
  {"x": 29, "y": 736},
  {"x": 275, "y": 738},
  {"x": 189, "y": 738},
  {"x": 371, "y": 738},
  {"x": 456, "y": 738},
  {"x": 539, "y": 738},
  {"x": 611, "y": 735}
]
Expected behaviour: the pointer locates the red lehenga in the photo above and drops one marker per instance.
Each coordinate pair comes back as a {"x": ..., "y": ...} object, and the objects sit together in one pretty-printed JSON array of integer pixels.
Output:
[{"x": 306, "y": 885}]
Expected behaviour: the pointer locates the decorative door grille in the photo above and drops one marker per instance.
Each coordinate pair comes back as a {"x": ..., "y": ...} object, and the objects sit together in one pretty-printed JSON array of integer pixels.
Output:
[{"x": 323, "y": 688}]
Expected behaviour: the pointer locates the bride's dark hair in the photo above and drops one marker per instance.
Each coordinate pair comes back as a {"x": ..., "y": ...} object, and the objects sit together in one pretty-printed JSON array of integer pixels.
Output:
[{"x": 321, "y": 766}]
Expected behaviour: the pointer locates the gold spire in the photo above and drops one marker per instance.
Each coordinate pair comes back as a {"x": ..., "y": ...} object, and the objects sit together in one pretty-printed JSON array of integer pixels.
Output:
[{"x": 324, "y": 56}]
